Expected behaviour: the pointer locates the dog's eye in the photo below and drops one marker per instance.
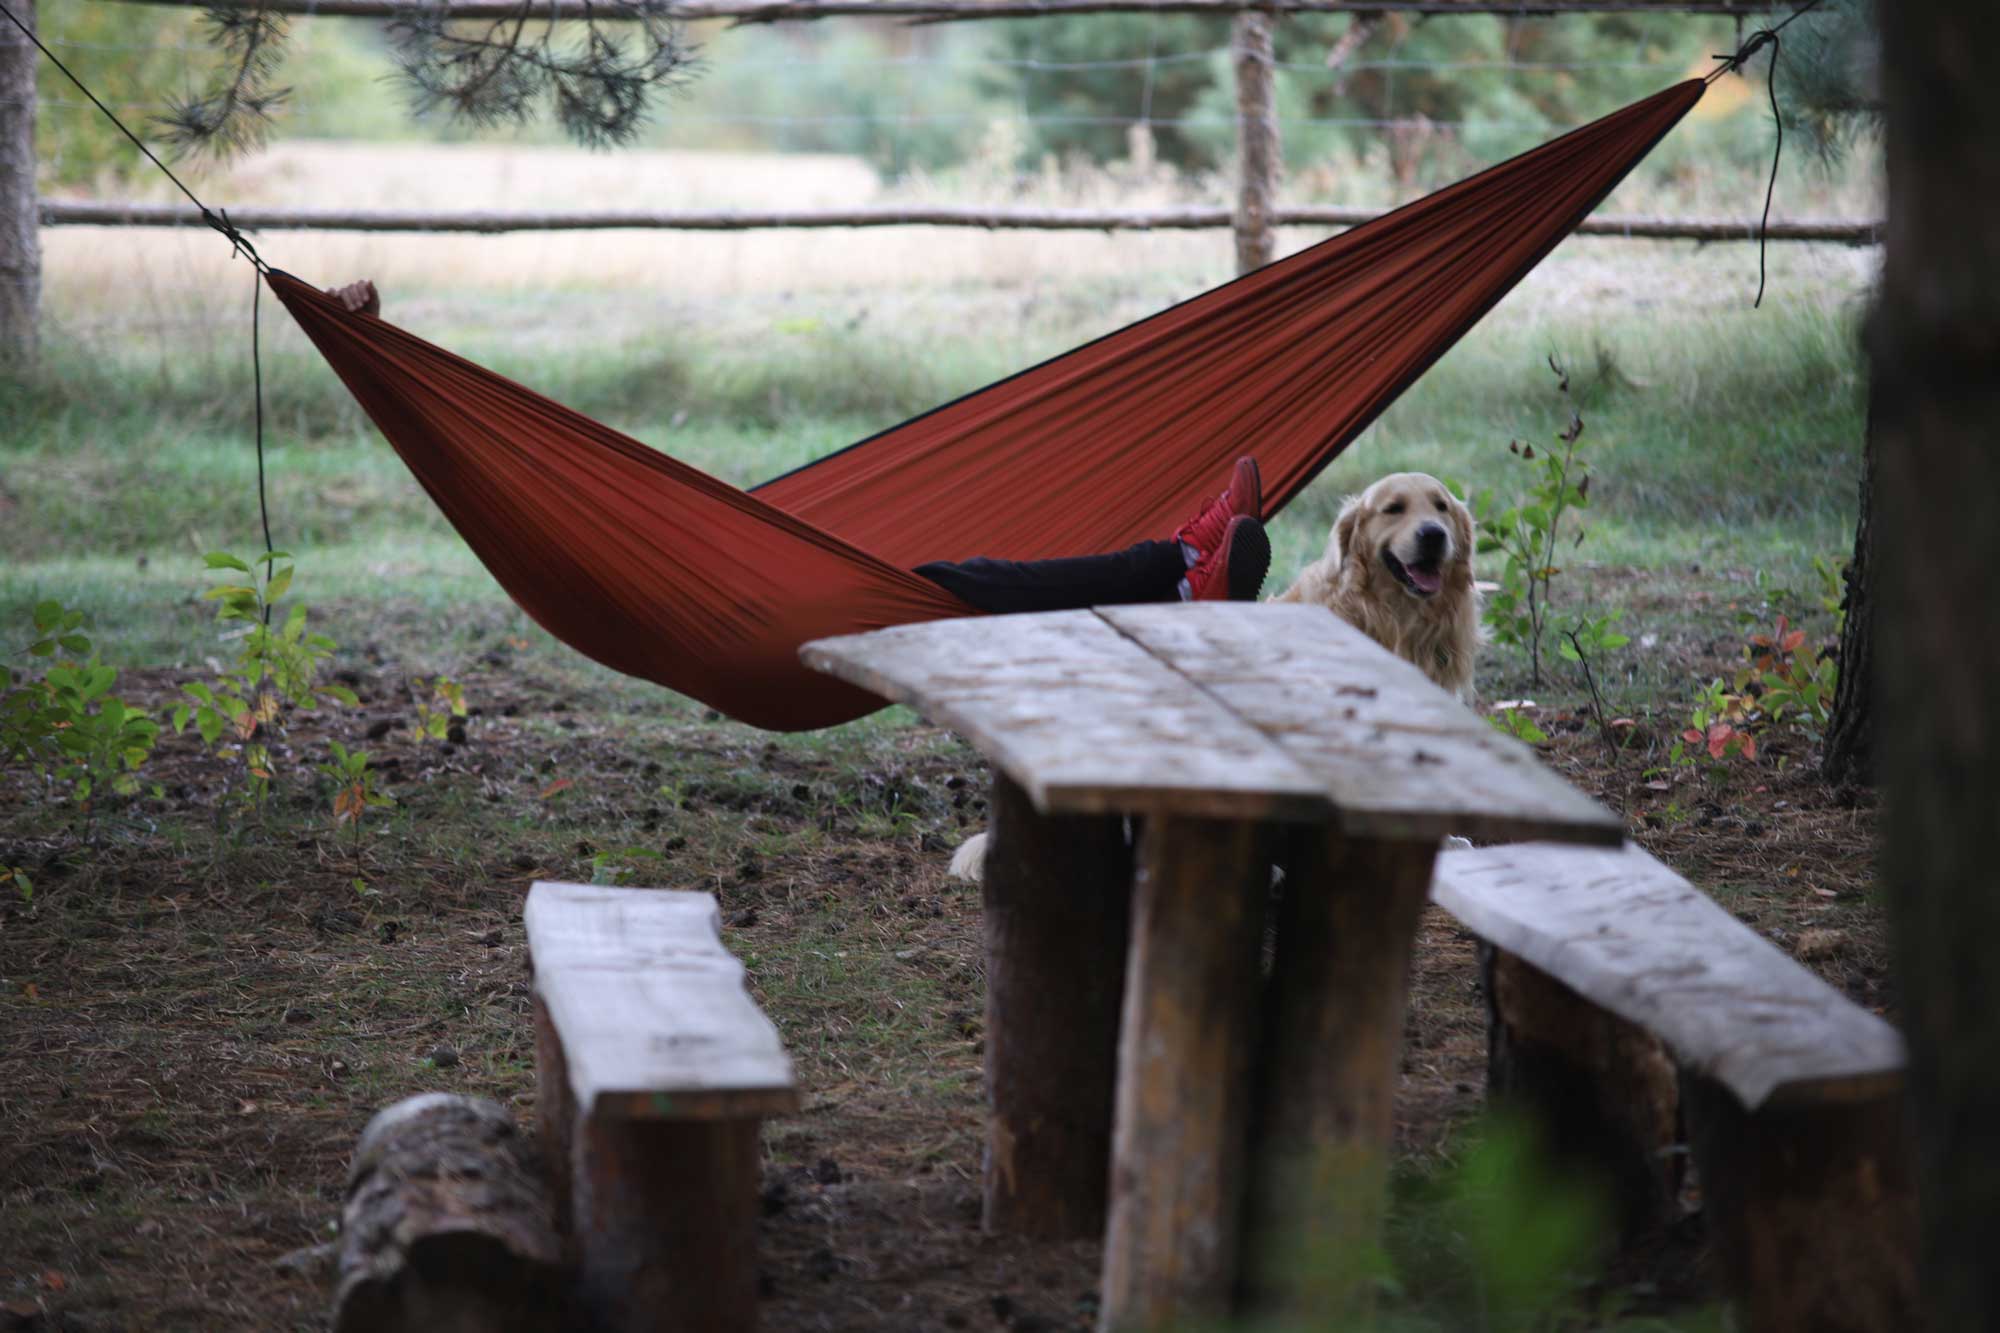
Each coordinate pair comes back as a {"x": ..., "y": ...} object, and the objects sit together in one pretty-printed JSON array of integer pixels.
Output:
[
  {"x": 1440, "y": 505},
  {"x": 1395, "y": 508}
]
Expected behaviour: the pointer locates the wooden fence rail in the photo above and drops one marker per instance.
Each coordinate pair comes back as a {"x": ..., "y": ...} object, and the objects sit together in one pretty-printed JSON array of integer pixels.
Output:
[{"x": 62, "y": 213}]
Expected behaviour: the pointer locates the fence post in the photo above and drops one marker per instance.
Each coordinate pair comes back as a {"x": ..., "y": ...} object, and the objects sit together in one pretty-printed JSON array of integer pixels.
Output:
[
  {"x": 1257, "y": 155},
  {"x": 20, "y": 239}
]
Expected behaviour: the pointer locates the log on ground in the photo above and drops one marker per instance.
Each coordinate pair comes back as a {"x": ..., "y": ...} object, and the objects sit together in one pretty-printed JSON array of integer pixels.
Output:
[{"x": 446, "y": 1227}]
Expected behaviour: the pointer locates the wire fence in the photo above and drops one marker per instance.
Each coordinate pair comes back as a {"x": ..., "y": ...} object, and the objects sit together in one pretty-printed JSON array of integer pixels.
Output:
[{"x": 927, "y": 83}]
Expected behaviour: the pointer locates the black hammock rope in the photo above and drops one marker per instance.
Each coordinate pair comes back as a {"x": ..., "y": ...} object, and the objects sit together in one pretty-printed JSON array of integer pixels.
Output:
[{"x": 1758, "y": 40}]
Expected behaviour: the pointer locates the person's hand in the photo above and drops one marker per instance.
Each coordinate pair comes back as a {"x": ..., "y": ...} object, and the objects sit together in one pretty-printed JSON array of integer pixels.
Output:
[{"x": 359, "y": 297}]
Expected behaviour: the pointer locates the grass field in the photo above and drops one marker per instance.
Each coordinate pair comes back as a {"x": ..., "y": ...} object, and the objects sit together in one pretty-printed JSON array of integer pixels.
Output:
[{"x": 201, "y": 1013}]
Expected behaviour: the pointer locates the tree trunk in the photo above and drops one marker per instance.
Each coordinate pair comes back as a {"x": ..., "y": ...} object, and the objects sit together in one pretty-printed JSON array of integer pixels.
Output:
[
  {"x": 1256, "y": 141},
  {"x": 1850, "y": 735},
  {"x": 1935, "y": 344},
  {"x": 20, "y": 236}
]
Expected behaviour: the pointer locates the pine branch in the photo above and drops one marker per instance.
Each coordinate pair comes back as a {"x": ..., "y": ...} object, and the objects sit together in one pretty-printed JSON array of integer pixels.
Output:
[
  {"x": 234, "y": 115},
  {"x": 494, "y": 72}
]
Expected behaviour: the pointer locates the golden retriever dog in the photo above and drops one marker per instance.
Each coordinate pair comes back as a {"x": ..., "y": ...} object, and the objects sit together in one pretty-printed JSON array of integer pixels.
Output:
[{"x": 1398, "y": 567}]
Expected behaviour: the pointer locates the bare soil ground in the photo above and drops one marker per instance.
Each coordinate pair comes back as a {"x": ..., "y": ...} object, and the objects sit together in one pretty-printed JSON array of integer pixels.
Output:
[{"x": 195, "y": 1024}]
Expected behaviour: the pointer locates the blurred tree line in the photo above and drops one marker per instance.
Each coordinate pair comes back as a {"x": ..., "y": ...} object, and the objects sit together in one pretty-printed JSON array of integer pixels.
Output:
[{"x": 1406, "y": 87}]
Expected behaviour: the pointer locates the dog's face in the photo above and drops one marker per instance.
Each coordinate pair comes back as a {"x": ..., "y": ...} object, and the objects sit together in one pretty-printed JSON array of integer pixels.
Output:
[{"x": 1412, "y": 530}]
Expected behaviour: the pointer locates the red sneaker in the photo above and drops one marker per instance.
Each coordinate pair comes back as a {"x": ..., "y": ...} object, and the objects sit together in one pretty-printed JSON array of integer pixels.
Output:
[
  {"x": 1245, "y": 497},
  {"x": 1234, "y": 571}
]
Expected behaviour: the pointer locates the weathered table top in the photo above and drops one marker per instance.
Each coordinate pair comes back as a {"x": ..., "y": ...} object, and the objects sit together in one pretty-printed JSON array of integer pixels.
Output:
[{"x": 1229, "y": 710}]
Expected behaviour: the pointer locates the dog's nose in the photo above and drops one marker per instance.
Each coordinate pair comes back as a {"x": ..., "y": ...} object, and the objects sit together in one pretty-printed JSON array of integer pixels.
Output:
[{"x": 1431, "y": 538}]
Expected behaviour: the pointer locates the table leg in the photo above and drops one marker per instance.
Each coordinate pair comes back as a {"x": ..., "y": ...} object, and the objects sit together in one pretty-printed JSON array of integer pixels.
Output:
[
  {"x": 1327, "y": 1069},
  {"x": 1057, "y": 904},
  {"x": 1170, "y": 1255}
]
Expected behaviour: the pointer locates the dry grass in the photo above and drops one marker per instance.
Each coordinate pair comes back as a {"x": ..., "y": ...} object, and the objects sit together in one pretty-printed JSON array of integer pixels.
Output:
[{"x": 102, "y": 269}]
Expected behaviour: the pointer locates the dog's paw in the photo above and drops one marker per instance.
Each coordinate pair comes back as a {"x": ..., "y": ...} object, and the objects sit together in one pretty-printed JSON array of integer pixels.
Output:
[{"x": 969, "y": 861}]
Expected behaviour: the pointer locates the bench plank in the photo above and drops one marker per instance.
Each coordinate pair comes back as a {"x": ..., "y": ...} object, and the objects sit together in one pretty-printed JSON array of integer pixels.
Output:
[
  {"x": 613, "y": 963},
  {"x": 1078, "y": 715},
  {"x": 1633, "y": 937},
  {"x": 1400, "y": 758}
]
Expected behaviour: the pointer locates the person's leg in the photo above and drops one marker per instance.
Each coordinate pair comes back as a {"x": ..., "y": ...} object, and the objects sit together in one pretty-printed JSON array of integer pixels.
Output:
[
  {"x": 1148, "y": 572},
  {"x": 1220, "y": 553}
]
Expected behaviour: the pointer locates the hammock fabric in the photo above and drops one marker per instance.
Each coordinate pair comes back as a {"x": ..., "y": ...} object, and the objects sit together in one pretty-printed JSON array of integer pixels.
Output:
[{"x": 662, "y": 572}]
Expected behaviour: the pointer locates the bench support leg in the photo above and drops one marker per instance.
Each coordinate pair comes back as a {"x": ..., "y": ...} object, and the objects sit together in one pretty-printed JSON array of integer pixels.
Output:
[
  {"x": 1330, "y": 1053},
  {"x": 555, "y": 1117},
  {"x": 665, "y": 1213},
  {"x": 1170, "y": 1255},
  {"x": 1812, "y": 1212},
  {"x": 1057, "y": 903},
  {"x": 1601, "y": 1093}
]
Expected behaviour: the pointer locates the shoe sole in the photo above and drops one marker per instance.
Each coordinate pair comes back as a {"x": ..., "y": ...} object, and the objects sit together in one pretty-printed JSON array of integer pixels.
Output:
[
  {"x": 1255, "y": 509},
  {"x": 1249, "y": 557}
]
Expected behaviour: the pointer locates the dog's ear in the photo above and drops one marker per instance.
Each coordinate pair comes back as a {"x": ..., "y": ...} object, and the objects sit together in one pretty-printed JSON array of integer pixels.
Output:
[
  {"x": 1344, "y": 529},
  {"x": 1461, "y": 525}
]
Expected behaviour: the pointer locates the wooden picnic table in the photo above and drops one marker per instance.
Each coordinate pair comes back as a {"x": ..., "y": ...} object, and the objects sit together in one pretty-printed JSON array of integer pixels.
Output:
[{"x": 1147, "y": 1074}]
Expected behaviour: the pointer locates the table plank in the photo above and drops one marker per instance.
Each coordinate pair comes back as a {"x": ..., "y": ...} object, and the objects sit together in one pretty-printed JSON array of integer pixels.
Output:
[
  {"x": 652, "y": 1011},
  {"x": 1082, "y": 718},
  {"x": 1398, "y": 756},
  {"x": 1633, "y": 937}
]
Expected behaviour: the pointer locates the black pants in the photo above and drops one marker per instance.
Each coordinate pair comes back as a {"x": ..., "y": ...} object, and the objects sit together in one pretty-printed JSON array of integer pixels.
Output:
[{"x": 1148, "y": 572}]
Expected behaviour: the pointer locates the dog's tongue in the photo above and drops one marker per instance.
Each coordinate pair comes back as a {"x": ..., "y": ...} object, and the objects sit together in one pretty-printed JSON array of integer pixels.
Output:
[{"x": 1428, "y": 579}]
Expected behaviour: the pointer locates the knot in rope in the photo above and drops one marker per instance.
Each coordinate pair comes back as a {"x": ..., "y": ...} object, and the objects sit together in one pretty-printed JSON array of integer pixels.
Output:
[
  {"x": 1759, "y": 39},
  {"x": 218, "y": 218}
]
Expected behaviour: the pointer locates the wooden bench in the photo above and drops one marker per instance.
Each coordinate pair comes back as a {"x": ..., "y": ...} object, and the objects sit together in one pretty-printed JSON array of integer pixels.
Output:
[
  {"x": 1145, "y": 1077},
  {"x": 654, "y": 1068},
  {"x": 1626, "y": 1002}
]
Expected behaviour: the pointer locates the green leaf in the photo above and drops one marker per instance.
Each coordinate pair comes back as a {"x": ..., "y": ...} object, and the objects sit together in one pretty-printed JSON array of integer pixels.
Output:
[
  {"x": 75, "y": 643},
  {"x": 180, "y": 718},
  {"x": 295, "y": 624},
  {"x": 43, "y": 648},
  {"x": 228, "y": 590},
  {"x": 199, "y": 691},
  {"x": 270, "y": 557},
  {"x": 48, "y": 615},
  {"x": 340, "y": 694},
  {"x": 209, "y": 723},
  {"x": 224, "y": 560},
  {"x": 1614, "y": 641},
  {"x": 280, "y": 582}
]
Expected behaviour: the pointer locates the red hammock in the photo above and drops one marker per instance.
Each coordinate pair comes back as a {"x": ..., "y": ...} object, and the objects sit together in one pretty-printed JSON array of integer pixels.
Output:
[{"x": 659, "y": 571}]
